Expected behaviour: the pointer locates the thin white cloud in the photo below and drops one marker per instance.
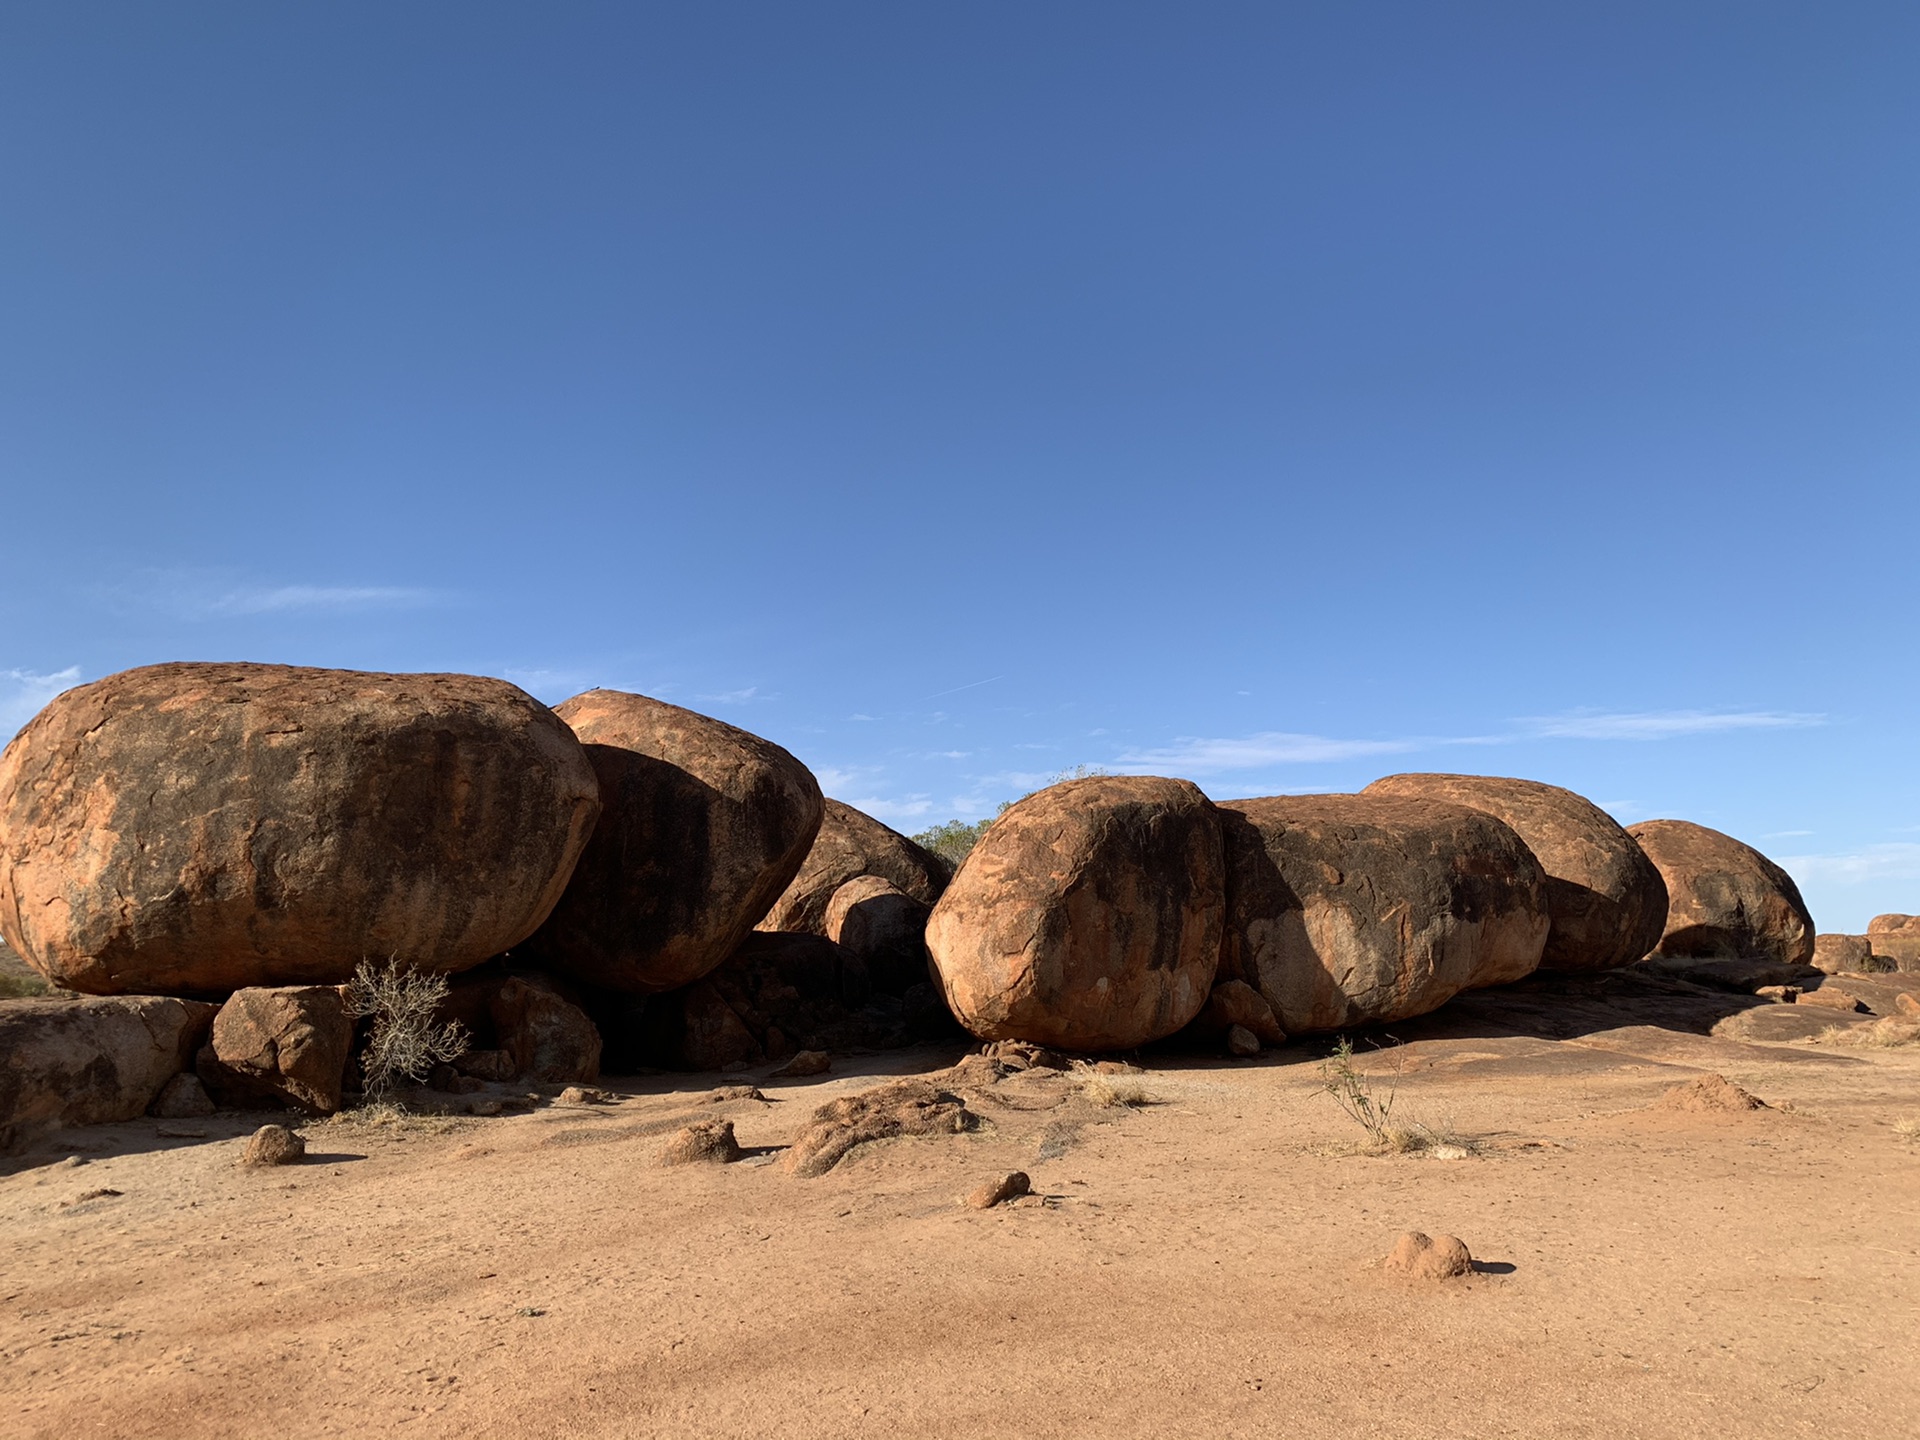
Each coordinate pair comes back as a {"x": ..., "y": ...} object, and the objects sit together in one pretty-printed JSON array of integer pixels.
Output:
[
  {"x": 1895, "y": 860},
  {"x": 1254, "y": 752},
  {"x": 24, "y": 692},
  {"x": 310, "y": 599},
  {"x": 735, "y": 697},
  {"x": 1785, "y": 834},
  {"x": 907, "y": 807},
  {"x": 1660, "y": 724}
]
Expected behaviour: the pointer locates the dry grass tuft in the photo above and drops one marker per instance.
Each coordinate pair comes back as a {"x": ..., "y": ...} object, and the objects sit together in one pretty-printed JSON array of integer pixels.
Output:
[
  {"x": 1888, "y": 1033},
  {"x": 1908, "y": 1129},
  {"x": 1108, "y": 1091}
]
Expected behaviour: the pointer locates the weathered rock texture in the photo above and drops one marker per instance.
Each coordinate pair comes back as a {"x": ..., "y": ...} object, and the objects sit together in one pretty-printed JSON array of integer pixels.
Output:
[
  {"x": 199, "y": 828},
  {"x": 885, "y": 927},
  {"x": 702, "y": 827},
  {"x": 1725, "y": 900},
  {"x": 1235, "y": 1003},
  {"x": 1348, "y": 910},
  {"x": 1605, "y": 899},
  {"x": 89, "y": 1061},
  {"x": 1838, "y": 954},
  {"x": 288, "y": 1043},
  {"x": 1088, "y": 917},
  {"x": 551, "y": 1040},
  {"x": 274, "y": 1145},
  {"x": 1425, "y": 1258},
  {"x": 906, "y": 1107},
  {"x": 851, "y": 844},
  {"x": 1897, "y": 937}
]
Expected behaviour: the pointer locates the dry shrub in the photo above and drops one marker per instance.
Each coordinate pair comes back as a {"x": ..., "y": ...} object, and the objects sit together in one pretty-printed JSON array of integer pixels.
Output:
[
  {"x": 1109, "y": 1091},
  {"x": 1887, "y": 1033},
  {"x": 404, "y": 1041}
]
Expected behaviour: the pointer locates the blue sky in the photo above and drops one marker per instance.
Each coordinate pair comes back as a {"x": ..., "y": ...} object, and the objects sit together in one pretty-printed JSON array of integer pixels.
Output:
[{"x": 1279, "y": 396}]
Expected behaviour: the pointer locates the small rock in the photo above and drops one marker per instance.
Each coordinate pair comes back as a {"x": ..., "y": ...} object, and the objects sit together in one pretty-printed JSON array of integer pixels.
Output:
[
  {"x": 483, "y": 1105},
  {"x": 994, "y": 1192},
  {"x": 1779, "y": 994},
  {"x": 807, "y": 1062},
  {"x": 273, "y": 1145},
  {"x": 1116, "y": 1067},
  {"x": 1242, "y": 1042},
  {"x": 583, "y": 1095},
  {"x": 1710, "y": 1093},
  {"x": 1019, "y": 1055},
  {"x": 705, "y": 1142},
  {"x": 1833, "y": 999},
  {"x": 732, "y": 1092},
  {"x": 182, "y": 1098},
  {"x": 1906, "y": 1005},
  {"x": 1429, "y": 1259}
]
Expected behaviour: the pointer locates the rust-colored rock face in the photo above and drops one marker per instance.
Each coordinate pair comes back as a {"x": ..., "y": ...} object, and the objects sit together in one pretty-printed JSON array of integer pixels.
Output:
[
  {"x": 702, "y": 827},
  {"x": 1087, "y": 918},
  {"x": 1897, "y": 937},
  {"x": 1725, "y": 900},
  {"x": 1348, "y": 910},
  {"x": 199, "y": 828},
  {"x": 288, "y": 1042},
  {"x": 851, "y": 844},
  {"x": 1605, "y": 899}
]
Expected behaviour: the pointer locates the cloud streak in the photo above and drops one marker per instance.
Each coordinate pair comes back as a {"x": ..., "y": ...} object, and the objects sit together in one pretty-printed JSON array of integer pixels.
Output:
[
  {"x": 24, "y": 692},
  {"x": 1661, "y": 724},
  {"x": 1254, "y": 752},
  {"x": 1895, "y": 860}
]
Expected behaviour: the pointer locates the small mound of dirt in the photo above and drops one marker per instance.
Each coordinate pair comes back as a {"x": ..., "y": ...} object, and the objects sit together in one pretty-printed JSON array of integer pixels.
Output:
[
  {"x": 906, "y": 1107},
  {"x": 732, "y": 1092},
  {"x": 1425, "y": 1258},
  {"x": 273, "y": 1145},
  {"x": 995, "y": 1192},
  {"x": 807, "y": 1062},
  {"x": 1710, "y": 1094},
  {"x": 584, "y": 1095},
  {"x": 705, "y": 1142}
]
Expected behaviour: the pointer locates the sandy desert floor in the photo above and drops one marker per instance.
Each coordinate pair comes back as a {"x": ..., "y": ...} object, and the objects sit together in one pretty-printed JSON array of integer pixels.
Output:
[{"x": 1205, "y": 1265}]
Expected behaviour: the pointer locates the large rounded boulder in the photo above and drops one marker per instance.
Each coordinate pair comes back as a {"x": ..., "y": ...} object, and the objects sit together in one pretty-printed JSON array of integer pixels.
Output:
[
  {"x": 1725, "y": 900},
  {"x": 702, "y": 826},
  {"x": 852, "y": 844},
  {"x": 1087, "y": 918},
  {"x": 1897, "y": 938},
  {"x": 1347, "y": 910},
  {"x": 1605, "y": 899},
  {"x": 198, "y": 828}
]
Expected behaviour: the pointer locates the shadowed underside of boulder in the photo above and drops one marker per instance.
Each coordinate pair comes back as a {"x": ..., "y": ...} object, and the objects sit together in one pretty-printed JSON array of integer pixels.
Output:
[
  {"x": 702, "y": 826},
  {"x": 1605, "y": 899},
  {"x": 199, "y": 828},
  {"x": 1347, "y": 910},
  {"x": 852, "y": 844}
]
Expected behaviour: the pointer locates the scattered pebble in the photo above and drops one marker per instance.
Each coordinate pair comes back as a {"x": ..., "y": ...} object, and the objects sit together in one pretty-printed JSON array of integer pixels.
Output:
[
  {"x": 807, "y": 1062},
  {"x": 994, "y": 1192}
]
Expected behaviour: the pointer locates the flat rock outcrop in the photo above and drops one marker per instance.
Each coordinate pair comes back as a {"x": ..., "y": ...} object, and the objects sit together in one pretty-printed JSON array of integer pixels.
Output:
[
  {"x": 199, "y": 828},
  {"x": 1897, "y": 937},
  {"x": 285, "y": 1043},
  {"x": 90, "y": 1061},
  {"x": 1605, "y": 899},
  {"x": 702, "y": 826},
  {"x": 852, "y": 844},
  {"x": 1347, "y": 910},
  {"x": 1725, "y": 900},
  {"x": 1087, "y": 918}
]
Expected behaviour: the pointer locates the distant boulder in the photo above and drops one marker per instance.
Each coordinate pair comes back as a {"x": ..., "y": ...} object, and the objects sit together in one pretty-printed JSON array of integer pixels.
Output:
[
  {"x": 1841, "y": 954},
  {"x": 1897, "y": 937},
  {"x": 884, "y": 927},
  {"x": 1087, "y": 918},
  {"x": 702, "y": 827},
  {"x": 851, "y": 844},
  {"x": 1605, "y": 899},
  {"x": 1348, "y": 910},
  {"x": 1725, "y": 900},
  {"x": 196, "y": 829}
]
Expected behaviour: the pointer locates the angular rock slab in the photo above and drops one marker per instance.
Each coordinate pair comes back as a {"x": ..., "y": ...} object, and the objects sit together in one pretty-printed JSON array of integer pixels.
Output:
[
  {"x": 1347, "y": 910},
  {"x": 290, "y": 1043},
  {"x": 90, "y": 1061},
  {"x": 1087, "y": 918},
  {"x": 196, "y": 829},
  {"x": 1605, "y": 899},
  {"x": 852, "y": 844},
  {"x": 703, "y": 825},
  {"x": 1725, "y": 900}
]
